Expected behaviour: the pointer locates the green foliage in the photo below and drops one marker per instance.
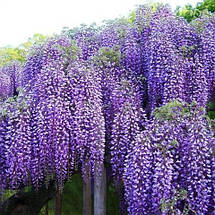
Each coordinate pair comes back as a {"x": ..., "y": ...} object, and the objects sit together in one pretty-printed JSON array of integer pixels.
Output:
[
  {"x": 73, "y": 199},
  {"x": 72, "y": 196},
  {"x": 190, "y": 13},
  {"x": 211, "y": 114},
  {"x": 71, "y": 32},
  {"x": 170, "y": 110},
  {"x": 155, "y": 6},
  {"x": 186, "y": 51},
  {"x": 168, "y": 205},
  {"x": 70, "y": 52},
  {"x": 37, "y": 39},
  {"x": 112, "y": 200},
  {"x": 107, "y": 55},
  {"x": 8, "y": 194},
  {"x": 175, "y": 109},
  {"x": 211, "y": 110},
  {"x": 9, "y": 54},
  {"x": 207, "y": 5},
  {"x": 131, "y": 17}
]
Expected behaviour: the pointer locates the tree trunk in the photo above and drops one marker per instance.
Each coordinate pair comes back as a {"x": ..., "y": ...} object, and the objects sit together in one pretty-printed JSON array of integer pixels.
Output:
[
  {"x": 47, "y": 209},
  {"x": 28, "y": 203},
  {"x": 100, "y": 191},
  {"x": 87, "y": 193},
  {"x": 58, "y": 202},
  {"x": 1, "y": 199}
]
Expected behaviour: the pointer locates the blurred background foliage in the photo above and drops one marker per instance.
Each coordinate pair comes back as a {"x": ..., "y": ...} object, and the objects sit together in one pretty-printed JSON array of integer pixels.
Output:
[
  {"x": 190, "y": 13},
  {"x": 9, "y": 54},
  {"x": 72, "y": 199}
]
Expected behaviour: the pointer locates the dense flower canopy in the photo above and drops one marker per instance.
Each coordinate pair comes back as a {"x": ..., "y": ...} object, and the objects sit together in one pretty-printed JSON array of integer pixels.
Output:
[{"x": 133, "y": 93}]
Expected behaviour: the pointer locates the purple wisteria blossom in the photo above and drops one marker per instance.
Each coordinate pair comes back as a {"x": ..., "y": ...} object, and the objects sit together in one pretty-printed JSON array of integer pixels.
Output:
[
  {"x": 11, "y": 76},
  {"x": 127, "y": 123},
  {"x": 166, "y": 160},
  {"x": 88, "y": 119}
]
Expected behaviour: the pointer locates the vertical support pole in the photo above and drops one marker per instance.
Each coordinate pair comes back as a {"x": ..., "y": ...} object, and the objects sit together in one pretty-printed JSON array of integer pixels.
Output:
[
  {"x": 100, "y": 191},
  {"x": 1, "y": 198},
  {"x": 87, "y": 192},
  {"x": 58, "y": 202},
  {"x": 47, "y": 208}
]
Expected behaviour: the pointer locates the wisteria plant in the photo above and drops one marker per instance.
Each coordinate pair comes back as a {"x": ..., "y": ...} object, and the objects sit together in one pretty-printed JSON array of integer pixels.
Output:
[{"x": 132, "y": 94}]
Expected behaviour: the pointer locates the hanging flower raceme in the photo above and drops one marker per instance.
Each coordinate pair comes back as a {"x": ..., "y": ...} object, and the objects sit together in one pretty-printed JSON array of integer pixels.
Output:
[
  {"x": 40, "y": 55},
  {"x": 170, "y": 51},
  {"x": 207, "y": 53},
  {"x": 15, "y": 129},
  {"x": 198, "y": 163},
  {"x": 18, "y": 143},
  {"x": 34, "y": 63},
  {"x": 199, "y": 83},
  {"x": 162, "y": 62},
  {"x": 131, "y": 52},
  {"x": 107, "y": 63},
  {"x": 142, "y": 17},
  {"x": 5, "y": 85},
  {"x": 88, "y": 119},
  {"x": 37, "y": 150},
  {"x": 160, "y": 53},
  {"x": 128, "y": 119},
  {"x": 165, "y": 138},
  {"x": 52, "y": 124},
  {"x": 169, "y": 167},
  {"x": 11, "y": 76},
  {"x": 137, "y": 175},
  {"x": 212, "y": 165},
  {"x": 109, "y": 81},
  {"x": 175, "y": 81},
  {"x": 3, "y": 148},
  {"x": 113, "y": 33},
  {"x": 142, "y": 29},
  {"x": 50, "y": 106},
  {"x": 127, "y": 123},
  {"x": 87, "y": 41}
]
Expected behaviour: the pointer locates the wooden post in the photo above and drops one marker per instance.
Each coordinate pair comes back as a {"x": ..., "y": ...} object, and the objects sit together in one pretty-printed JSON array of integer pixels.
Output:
[
  {"x": 100, "y": 191},
  {"x": 87, "y": 192},
  {"x": 58, "y": 202},
  {"x": 47, "y": 208},
  {"x": 1, "y": 198}
]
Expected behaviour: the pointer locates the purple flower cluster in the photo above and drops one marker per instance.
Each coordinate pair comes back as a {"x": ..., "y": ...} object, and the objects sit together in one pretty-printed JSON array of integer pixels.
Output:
[
  {"x": 3, "y": 149},
  {"x": 87, "y": 41},
  {"x": 128, "y": 121},
  {"x": 137, "y": 175},
  {"x": 131, "y": 52},
  {"x": 173, "y": 153},
  {"x": 18, "y": 142},
  {"x": 207, "y": 54},
  {"x": 87, "y": 120},
  {"x": 11, "y": 77},
  {"x": 199, "y": 177}
]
